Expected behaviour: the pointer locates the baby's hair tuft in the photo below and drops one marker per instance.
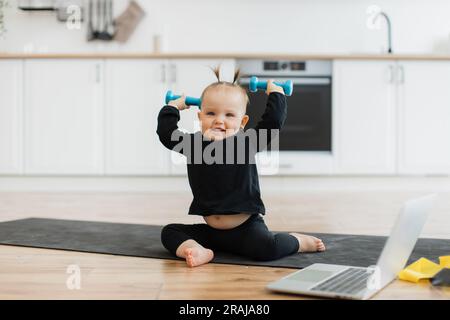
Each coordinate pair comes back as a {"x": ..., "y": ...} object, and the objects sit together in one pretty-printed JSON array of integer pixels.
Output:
[
  {"x": 237, "y": 75},
  {"x": 234, "y": 84},
  {"x": 216, "y": 71}
]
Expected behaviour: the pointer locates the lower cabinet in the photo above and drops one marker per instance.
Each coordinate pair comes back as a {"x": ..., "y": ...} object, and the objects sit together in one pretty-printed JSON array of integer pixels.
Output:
[
  {"x": 11, "y": 117},
  {"x": 136, "y": 91},
  {"x": 364, "y": 112},
  {"x": 392, "y": 117},
  {"x": 99, "y": 116},
  {"x": 63, "y": 117},
  {"x": 424, "y": 118}
]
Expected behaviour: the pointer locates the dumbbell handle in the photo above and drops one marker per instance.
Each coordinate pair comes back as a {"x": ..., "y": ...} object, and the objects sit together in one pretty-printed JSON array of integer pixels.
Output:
[
  {"x": 190, "y": 101},
  {"x": 256, "y": 84}
]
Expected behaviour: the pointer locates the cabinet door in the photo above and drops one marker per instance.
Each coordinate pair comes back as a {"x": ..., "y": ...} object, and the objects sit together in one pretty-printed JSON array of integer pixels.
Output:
[
  {"x": 364, "y": 117},
  {"x": 11, "y": 93},
  {"x": 63, "y": 116},
  {"x": 135, "y": 94},
  {"x": 191, "y": 77},
  {"x": 424, "y": 117}
]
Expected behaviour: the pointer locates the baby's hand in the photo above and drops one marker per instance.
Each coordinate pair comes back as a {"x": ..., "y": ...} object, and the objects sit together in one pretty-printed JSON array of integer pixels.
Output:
[
  {"x": 272, "y": 87},
  {"x": 179, "y": 103}
]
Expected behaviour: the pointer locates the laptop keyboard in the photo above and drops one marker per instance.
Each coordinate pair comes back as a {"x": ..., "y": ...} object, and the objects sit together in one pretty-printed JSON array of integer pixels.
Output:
[{"x": 349, "y": 282}]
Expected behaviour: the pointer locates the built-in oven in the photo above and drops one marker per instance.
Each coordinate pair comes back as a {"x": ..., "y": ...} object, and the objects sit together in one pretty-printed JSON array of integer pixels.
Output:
[{"x": 307, "y": 132}]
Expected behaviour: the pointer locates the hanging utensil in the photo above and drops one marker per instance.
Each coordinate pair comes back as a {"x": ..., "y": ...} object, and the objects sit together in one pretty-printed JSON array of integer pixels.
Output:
[
  {"x": 99, "y": 19},
  {"x": 90, "y": 32},
  {"x": 104, "y": 34},
  {"x": 111, "y": 20}
]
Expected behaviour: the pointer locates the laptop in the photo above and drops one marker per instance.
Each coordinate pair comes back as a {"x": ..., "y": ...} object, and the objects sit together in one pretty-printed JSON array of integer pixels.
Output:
[{"x": 347, "y": 282}]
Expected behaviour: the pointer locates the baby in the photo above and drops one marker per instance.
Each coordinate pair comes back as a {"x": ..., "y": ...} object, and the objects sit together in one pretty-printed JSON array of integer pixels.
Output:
[{"x": 226, "y": 195}]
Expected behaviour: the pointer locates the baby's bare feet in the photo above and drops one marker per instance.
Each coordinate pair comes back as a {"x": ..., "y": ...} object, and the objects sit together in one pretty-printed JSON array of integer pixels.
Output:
[
  {"x": 197, "y": 256},
  {"x": 309, "y": 243}
]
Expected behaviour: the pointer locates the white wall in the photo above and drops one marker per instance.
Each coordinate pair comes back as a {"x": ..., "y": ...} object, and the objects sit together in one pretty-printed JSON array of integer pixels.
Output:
[{"x": 291, "y": 26}]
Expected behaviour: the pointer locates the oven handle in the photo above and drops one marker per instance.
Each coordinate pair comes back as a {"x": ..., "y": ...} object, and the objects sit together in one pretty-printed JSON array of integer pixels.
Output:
[{"x": 295, "y": 80}]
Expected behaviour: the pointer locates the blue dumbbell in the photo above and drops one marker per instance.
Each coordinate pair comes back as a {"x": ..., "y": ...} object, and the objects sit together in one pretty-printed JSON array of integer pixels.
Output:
[
  {"x": 255, "y": 84},
  {"x": 190, "y": 101}
]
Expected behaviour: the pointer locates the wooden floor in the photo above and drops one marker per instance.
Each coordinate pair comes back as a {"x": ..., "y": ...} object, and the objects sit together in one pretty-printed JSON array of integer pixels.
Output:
[{"x": 28, "y": 273}]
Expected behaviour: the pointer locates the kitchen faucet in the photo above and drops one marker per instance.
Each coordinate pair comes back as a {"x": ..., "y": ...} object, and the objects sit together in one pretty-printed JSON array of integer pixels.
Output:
[{"x": 388, "y": 21}]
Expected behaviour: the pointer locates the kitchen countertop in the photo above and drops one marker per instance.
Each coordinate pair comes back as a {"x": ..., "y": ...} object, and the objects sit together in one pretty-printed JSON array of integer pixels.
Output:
[{"x": 290, "y": 56}]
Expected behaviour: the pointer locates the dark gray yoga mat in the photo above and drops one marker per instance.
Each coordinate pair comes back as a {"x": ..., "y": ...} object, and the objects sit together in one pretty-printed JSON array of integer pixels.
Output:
[{"x": 144, "y": 241}]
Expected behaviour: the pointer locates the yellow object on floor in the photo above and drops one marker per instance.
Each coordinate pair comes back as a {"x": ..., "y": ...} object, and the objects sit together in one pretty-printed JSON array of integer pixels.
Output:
[
  {"x": 423, "y": 269},
  {"x": 444, "y": 261}
]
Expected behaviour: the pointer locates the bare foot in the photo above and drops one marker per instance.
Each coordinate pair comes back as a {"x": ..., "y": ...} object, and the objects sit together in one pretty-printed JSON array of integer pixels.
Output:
[
  {"x": 197, "y": 256},
  {"x": 309, "y": 243}
]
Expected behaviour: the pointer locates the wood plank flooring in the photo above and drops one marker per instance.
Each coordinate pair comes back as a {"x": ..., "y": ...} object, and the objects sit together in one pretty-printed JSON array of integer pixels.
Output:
[{"x": 28, "y": 273}]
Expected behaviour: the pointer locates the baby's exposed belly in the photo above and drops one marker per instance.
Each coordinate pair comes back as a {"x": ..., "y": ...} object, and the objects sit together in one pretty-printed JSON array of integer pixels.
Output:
[{"x": 222, "y": 221}]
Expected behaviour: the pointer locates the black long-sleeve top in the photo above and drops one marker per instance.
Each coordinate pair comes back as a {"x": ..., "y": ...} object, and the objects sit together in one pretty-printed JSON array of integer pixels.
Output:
[{"x": 224, "y": 180}]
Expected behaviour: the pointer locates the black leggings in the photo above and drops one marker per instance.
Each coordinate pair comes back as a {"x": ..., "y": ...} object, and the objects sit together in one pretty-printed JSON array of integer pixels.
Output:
[{"x": 251, "y": 239}]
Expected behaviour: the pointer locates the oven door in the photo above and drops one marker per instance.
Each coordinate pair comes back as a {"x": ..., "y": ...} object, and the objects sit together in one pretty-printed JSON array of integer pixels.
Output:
[{"x": 308, "y": 123}]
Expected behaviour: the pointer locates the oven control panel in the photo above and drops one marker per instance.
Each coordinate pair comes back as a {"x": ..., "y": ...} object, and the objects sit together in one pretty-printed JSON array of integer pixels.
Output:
[
  {"x": 285, "y": 68},
  {"x": 284, "y": 65}
]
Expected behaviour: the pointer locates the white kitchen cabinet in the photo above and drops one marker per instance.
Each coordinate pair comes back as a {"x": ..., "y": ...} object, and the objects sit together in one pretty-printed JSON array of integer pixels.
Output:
[
  {"x": 11, "y": 113},
  {"x": 392, "y": 117},
  {"x": 64, "y": 116},
  {"x": 135, "y": 94},
  {"x": 191, "y": 76},
  {"x": 424, "y": 117},
  {"x": 364, "y": 112}
]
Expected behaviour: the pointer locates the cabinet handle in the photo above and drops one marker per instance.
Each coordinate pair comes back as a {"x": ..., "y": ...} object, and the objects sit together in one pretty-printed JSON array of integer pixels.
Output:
[
  {"x": 163, "y": 73},
  {"x": 391, "y": 74},
  {"x": 97, "y": 73},
  {"x": 173, "y": 73},
  {"x": 402, "y": 74}
]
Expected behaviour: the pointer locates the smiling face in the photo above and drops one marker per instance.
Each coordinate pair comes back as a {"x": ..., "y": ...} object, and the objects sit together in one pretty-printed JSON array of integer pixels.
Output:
[{"x": 223, "y": 111}]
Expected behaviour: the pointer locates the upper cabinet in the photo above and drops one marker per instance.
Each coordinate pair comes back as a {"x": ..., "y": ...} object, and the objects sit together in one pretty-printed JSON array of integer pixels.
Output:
[
  {"x": 424, "y": 117},
  {"x": 135, "y": 94},
  {"x": 11, "y": 117},
  {"x": 364, "y": 114},
  {"x": 64, "y": 116}
]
